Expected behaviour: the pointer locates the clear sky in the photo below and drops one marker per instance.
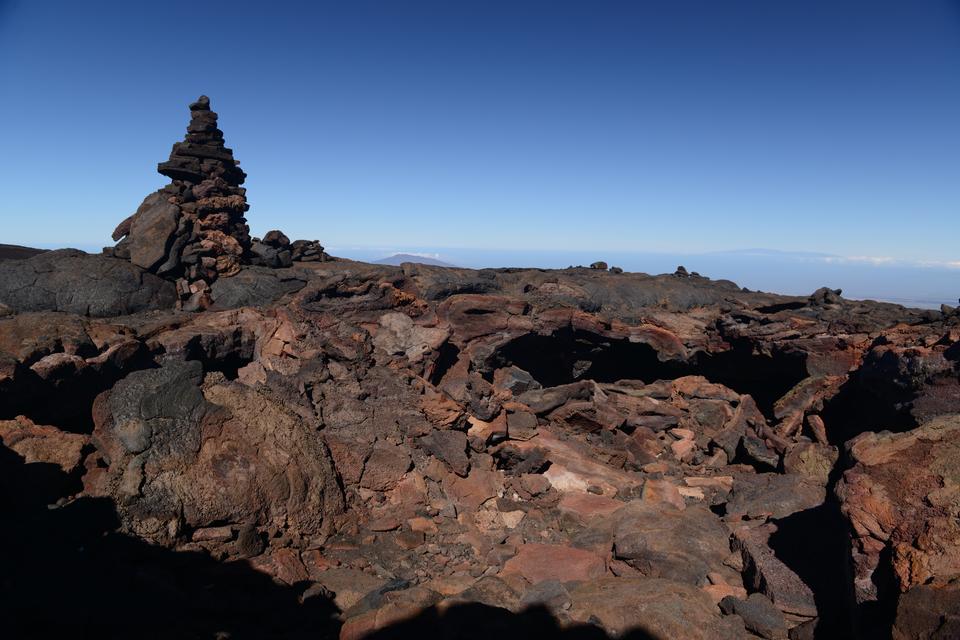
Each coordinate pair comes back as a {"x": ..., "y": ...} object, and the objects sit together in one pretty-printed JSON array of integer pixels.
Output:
[{"x": 820, "y": 125}]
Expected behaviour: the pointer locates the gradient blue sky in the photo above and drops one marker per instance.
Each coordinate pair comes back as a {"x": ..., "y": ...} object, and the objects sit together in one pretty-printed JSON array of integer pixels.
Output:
[{"x": 650, "y": 126}]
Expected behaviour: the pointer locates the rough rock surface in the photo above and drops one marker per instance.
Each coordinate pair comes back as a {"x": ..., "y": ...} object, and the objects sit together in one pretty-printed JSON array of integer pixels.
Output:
[
  {"x": 16, "y": 252},
  {"x": 187, "y": 453},
  {"x": 661, "y": 608},
  {"x": 337, "y": 448},
  {"x": 902, "y": 498},
  {"x": 74, "y": 282}
]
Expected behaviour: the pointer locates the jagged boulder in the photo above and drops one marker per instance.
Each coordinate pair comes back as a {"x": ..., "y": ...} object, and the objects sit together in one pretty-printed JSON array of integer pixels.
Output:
[
  {"x": 72, "y": 281},
  {"x": 184, "y": 455},
  {"x": 902, "y": 498}
]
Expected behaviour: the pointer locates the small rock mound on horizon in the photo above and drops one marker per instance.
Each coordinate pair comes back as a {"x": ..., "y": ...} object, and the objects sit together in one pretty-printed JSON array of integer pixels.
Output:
[{"x": 193, "y": 230}]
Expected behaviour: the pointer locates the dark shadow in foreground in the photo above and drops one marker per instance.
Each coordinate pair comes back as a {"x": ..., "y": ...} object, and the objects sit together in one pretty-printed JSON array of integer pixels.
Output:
[
  {"x": 475, "y": 621},
  {"x": 66, "y": 572}
]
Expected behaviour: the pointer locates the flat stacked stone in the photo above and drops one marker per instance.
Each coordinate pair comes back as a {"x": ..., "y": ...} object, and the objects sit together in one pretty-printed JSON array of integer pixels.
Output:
[
  {"x": 276, "y": 250},
  {"x": 192, "y": 230}
]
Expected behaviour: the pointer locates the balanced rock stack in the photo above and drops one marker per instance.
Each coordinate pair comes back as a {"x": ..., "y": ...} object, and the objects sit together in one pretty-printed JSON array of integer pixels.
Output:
[{"x": 194, "y": 228}]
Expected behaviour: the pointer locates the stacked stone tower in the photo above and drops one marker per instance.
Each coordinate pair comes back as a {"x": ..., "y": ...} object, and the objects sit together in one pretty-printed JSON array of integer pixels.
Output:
[{"x": 192, "y": 230}]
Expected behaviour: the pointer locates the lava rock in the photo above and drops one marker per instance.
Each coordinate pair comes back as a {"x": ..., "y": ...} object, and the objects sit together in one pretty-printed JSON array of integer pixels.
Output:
[
  {"x": 759, "y": 615},
  {"x": 72, "y": 281},
  {"x": 451, "y": 448},
  {"x": 177, "y": 450},
  {"x": 276, "y": 239}
]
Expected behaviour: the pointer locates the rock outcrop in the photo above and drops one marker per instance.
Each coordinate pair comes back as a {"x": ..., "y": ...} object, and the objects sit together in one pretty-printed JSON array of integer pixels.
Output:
[
  {"x": 74, "y": 282},
  {"x": 902, "y": 497},
  {"x": 16, "y": 252},
  {"x": 276, "y": 250},
  {"x": 211, "y": 457}
]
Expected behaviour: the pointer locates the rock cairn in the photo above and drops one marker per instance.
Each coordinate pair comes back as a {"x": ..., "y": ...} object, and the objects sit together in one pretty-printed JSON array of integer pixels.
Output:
[
  {"x": 192, "y": 230},
  {"x": 276, "y": 250}
]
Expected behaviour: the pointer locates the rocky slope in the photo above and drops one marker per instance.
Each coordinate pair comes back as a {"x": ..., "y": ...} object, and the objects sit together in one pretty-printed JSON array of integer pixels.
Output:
[{"x": 339, "y": 449}]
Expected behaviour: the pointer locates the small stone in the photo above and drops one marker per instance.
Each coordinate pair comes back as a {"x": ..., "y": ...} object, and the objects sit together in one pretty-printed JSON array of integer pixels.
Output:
[
  {"x": 385, "y": 466},
  {"x": 409, "y": 539},
  {"x": 662, "y": 491},
  {"x": 817, "y": 428},
  {"x": 422, "y": 525},
  {"x": 512, "y": 518},
  {"x": 521, "y": 425},
  {"x": 759, "y": 615},
  {"x": 534, "y": 483},
  {"x": 548, "y": 593},
  {"x": 683, "y": 450},
  {"x": 451, "y": 448}
]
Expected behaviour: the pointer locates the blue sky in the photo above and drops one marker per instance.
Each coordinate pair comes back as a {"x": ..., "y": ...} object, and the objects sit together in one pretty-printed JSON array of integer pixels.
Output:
[{"x": 626, "y": 126}]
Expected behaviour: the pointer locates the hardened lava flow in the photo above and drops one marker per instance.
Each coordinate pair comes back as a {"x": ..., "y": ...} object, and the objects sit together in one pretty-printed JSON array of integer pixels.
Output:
[{"x": 206, "y": 434}]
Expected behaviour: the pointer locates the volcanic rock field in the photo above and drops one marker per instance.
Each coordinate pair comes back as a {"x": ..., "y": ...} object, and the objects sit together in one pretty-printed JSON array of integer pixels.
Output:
[{"x": 210, "y": 435}]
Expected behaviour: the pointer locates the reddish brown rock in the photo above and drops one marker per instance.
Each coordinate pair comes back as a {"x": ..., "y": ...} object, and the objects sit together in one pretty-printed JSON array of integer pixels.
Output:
[
  {"x": 928, "y": 611},
  {"x": 585, "y": 507},
  {"x": 475, "y": 489},
  {"x": 40, "y": 443},
  {"x": 903, "y": 496},
  {"x": 451, "y": 448},
  {"x": 385, "y": 466},
  {"x": 388, "y": 436},
  {"x": 283, "y": 565},
  {"x": 660, "y": 607},
  {"x": 184, "y": 454},
  {"x": 772, "y": 495},
  {"x": 538, "y": 562},
  {"x": 664, "y": 542}
]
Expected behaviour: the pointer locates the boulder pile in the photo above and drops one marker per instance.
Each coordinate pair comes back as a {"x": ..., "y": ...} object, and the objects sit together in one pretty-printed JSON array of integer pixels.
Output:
[{"x": 276, "y": 250}]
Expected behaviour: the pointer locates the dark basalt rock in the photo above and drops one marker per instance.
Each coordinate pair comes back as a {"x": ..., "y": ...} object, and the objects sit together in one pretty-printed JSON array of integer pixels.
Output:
[
  {"x": 76, "y": 282},
  {"x": 276, "y": 251},
  {"x": 155, "y": 427},
  {"x": 152, "y": 233},
  {"x": 256, "y": 286},
  {"x": 759, "y": 615},
  {"x": 14, "y": 252}
]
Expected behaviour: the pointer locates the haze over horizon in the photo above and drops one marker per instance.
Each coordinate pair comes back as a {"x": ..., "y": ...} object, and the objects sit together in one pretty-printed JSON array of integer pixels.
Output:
[{"x": 824, "y": 127}]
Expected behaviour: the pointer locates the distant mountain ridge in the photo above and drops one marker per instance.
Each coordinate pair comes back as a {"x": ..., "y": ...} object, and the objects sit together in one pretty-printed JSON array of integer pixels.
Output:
[{"x": 399, "y": 258}]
